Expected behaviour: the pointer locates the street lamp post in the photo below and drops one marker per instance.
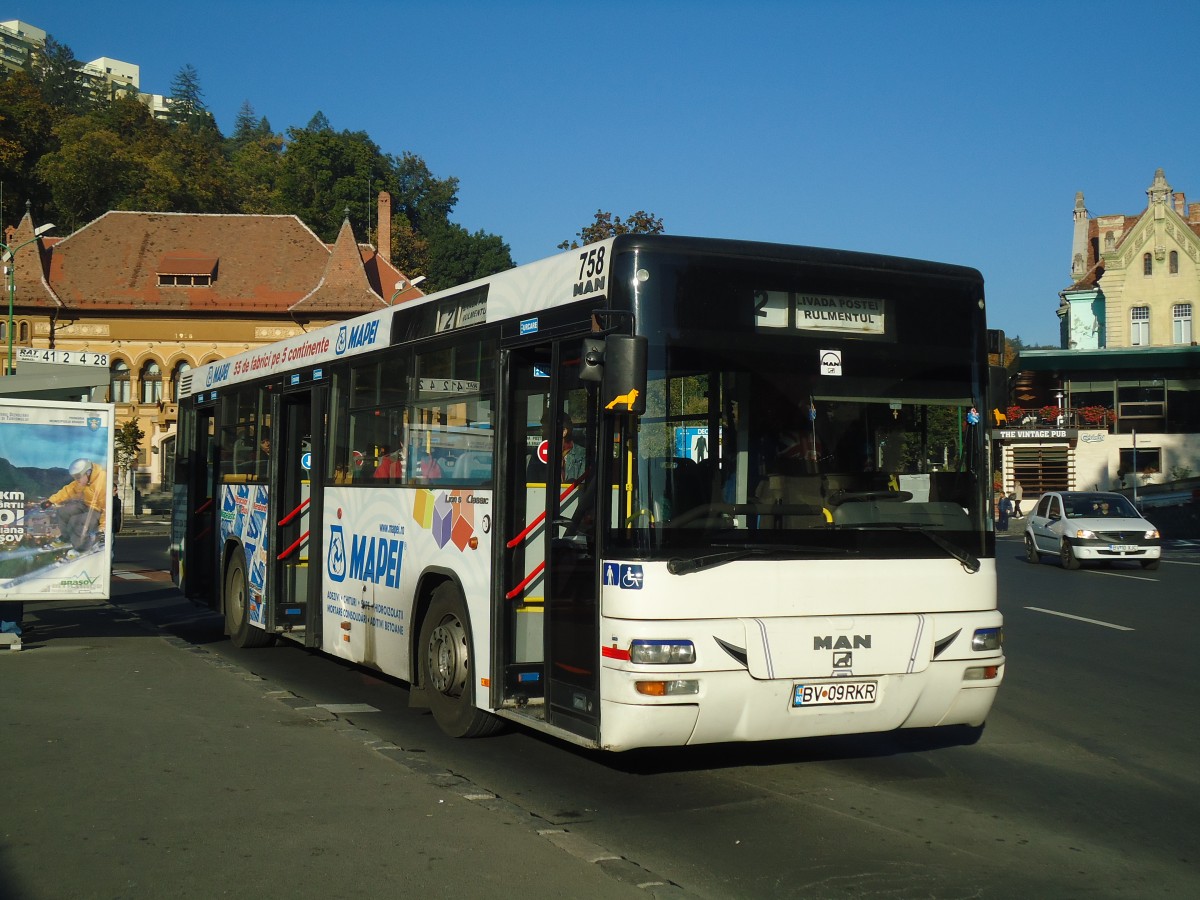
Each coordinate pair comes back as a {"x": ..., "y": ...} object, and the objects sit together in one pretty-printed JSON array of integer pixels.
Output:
[{"x": 9, "y": 259}]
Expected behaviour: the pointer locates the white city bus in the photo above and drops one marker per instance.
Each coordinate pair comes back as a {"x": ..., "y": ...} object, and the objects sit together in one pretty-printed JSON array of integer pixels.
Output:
[{"x": 656, "y": 491}]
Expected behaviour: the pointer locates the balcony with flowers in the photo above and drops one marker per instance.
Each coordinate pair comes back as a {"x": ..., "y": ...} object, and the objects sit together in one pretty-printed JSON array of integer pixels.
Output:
[{"x": 1051, "y": 416}]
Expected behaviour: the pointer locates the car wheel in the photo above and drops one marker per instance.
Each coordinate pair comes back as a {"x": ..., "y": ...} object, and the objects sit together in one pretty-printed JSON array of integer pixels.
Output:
[
  {"x": 1069, "y": 559},
  {"x": 1149, "y": 563},
  {"x": 1031, "y": 551}
]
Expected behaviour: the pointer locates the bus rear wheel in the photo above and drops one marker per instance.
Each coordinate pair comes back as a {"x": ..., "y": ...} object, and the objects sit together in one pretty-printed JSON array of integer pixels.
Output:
[
  {"x": 447, "y": 667},
  {"x": 236, "y": 602}
]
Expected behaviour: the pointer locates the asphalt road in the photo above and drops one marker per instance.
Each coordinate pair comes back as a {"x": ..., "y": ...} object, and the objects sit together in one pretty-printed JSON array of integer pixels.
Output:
[{"x": 1083, "y": 785}]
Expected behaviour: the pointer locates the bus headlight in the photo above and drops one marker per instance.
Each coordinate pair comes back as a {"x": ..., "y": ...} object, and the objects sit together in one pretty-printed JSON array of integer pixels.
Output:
[
  {"x": 662, "y": 653},
  {"x": 987, "y": 639}
]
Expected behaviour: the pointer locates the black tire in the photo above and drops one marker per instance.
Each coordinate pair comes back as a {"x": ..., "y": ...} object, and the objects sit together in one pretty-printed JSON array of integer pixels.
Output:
[
  {"x": 1031, "y": 552},
  {"x": 235, "y": 602},
  {"x": 447, "y": 667},
  {"x": 1149, "y": 563},
  {"x": 1069, "y": 559}
]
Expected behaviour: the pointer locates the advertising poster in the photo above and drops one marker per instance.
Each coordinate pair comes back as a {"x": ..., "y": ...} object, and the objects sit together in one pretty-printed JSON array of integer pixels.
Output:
[{"x": 55, "y": 499}]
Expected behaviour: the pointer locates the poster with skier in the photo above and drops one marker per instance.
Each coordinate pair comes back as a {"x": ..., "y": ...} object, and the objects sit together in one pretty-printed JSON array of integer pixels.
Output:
[{"x": 55, "y": 499}]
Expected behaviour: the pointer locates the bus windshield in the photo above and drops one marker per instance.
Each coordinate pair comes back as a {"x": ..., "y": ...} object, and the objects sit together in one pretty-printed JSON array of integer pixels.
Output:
[{"x": 857, "y": 435}]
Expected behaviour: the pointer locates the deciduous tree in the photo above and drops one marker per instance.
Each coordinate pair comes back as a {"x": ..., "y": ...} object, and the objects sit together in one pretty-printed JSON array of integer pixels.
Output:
[{"x": 606, "y": 225}]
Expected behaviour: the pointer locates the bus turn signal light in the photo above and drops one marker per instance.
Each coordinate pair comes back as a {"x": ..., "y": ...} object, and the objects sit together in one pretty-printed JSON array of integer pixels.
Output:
[{"x": 667, "y": 688}]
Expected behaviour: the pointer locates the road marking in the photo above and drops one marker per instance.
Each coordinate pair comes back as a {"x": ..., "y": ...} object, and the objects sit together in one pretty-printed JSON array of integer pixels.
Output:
[
  {"x": 1051, "y": 612},
  {"x": 1120, "y": 575}
]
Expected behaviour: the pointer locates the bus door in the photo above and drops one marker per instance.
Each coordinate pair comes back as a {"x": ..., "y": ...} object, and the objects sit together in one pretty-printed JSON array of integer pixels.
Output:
[
  {"x": 549, "y": 615},
  {"x": 197, "y": 562},
  {"x": 296, "y": 476}
]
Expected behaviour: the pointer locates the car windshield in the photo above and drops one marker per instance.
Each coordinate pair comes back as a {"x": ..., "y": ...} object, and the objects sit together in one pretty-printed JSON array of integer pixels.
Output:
[{"x": 1099, "y": 506}]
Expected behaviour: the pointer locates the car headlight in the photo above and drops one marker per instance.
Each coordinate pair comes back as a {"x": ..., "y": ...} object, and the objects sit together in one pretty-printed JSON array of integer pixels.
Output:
[
  {"x": 1152, "y": 535},
  {"x": 1085, "y": 534}
]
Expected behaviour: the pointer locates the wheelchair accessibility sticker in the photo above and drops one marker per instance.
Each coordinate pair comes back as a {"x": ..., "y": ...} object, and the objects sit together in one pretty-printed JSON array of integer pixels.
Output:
[{"x": 626, "y": 576}]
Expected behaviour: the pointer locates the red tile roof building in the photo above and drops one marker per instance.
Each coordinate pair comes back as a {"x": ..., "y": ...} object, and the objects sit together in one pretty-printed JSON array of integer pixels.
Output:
[{"x": 163, "y": 292}]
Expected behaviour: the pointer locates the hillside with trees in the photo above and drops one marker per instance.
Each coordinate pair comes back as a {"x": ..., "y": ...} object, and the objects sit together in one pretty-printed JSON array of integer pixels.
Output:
[{"x": 75, "y": 157}]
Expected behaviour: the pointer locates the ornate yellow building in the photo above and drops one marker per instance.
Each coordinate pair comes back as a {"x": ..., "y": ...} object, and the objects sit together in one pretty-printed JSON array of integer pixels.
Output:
[{"x": 161, "y": 293}]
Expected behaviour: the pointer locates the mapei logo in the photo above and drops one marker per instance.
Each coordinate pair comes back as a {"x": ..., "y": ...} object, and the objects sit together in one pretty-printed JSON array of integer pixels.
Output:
[
  {"x": 217, "y": 374},
  {"x": 374, "y": 558},
  {"x": 352, "y": 337}
]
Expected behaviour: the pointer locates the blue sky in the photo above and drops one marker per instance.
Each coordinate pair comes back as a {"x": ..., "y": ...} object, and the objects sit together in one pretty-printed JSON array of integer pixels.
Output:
[{"x": 954, "y": 131}]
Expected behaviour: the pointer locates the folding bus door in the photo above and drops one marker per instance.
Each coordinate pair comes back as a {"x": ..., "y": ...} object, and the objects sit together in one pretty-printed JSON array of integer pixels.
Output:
[
  {"x": 296, "y": 542},
  {"x": 549, "y": 617}
]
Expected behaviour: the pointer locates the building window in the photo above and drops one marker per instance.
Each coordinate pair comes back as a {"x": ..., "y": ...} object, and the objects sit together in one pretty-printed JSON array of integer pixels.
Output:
[
  {"x": 150, "y": 380},
  {"x": 1139, "y": 326},
  {"x": 1174, "y": 262},
  {"x": 184, "y": 280},
  {"x": 177, "y": 376},
  {"x": 1147, "y": 264},
  {"x": 119, "y": 382},
  {"x": 1181, "y": 317},
  {"x": 1144, "y": 462}
]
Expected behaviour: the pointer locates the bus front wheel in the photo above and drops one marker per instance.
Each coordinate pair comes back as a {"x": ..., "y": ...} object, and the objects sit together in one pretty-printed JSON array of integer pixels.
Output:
[
  {"x": 237, "y": 607},
  {"x": 447, "y": 667}
]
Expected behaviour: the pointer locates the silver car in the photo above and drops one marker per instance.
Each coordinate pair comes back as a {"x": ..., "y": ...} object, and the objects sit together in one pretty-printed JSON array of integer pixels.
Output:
[{"x": 1082, "y": 526}]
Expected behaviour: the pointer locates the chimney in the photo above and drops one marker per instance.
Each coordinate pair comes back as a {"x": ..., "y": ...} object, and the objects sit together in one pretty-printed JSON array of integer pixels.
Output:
[
  {"x": 1193, "y": 216},
  {"x": 1180, "y": 203},
  {"x": 385, "y": 227}
]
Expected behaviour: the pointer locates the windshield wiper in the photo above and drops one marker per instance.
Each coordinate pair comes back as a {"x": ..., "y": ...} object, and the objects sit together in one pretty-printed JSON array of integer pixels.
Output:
[
  {"x": 681, "y": 565},
  {"x": 969, "y": 561}
]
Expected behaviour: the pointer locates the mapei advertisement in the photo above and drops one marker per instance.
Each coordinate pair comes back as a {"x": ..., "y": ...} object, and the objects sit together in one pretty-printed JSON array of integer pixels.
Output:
[{"x": 55, "y": 499}]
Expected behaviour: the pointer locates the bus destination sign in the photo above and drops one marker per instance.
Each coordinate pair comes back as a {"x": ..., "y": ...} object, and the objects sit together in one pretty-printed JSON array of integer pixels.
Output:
[{"x": 819, "y": 312}]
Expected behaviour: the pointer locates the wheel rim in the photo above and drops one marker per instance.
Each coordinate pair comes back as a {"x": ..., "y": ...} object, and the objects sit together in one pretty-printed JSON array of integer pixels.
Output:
[
  {"x": 447, "y": 657},
  {"x": 234, "y": 597}
]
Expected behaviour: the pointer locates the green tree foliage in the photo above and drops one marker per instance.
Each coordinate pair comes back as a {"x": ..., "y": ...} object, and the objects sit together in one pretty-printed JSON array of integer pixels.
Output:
[
  {"x": 75, "y": 160},
  {"x": 127, "y": 443},
  {"x": 606, "y": 225},
  {"x": 457, "y": 256},
  {"x": 26, "y": 133},
  {"x": 58, "y": 76}
]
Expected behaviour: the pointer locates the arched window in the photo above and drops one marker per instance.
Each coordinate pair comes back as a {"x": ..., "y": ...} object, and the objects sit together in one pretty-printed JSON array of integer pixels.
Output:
[
  {"x": 177, "y": 374},
  {"x": 1174, "y": 262},
  {"x": 23, "y": 332},
  {"x": 1147, "y": 264},
  {"x": 1139, "y": 326},
  {"x": 118, "y": 391},
  {"x": 151, "y": 382}
]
